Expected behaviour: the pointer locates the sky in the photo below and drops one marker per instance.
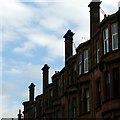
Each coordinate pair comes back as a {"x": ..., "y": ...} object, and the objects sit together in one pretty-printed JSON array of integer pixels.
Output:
[{"x": 31, "y": 35}]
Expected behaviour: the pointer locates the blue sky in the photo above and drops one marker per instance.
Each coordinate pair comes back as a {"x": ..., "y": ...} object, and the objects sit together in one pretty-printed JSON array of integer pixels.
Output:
[{"x": 31, "y": 35}]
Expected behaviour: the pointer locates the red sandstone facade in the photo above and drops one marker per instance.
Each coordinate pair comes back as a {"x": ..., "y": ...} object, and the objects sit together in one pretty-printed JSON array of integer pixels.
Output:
[{"x": 88, "y": 86}]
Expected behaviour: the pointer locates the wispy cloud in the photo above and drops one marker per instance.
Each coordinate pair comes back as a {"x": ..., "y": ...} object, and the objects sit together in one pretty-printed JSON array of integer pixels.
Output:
[{"x": 31, "y": 33}]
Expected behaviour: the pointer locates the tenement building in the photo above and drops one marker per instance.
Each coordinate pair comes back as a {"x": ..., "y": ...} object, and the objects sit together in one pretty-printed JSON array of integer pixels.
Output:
[{"x": 88, "y": 86}]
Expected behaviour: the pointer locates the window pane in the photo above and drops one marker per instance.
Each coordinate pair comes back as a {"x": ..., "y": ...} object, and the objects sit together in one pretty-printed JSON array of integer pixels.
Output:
[
  {"x": 105, "y": 39},
  {"x": 105, "y": 33},
  {"x": 80, "y": 69},
  {"x": 85, "y": 61},
  {"x": 87, "y": 100},
  {"x": 74, "y": 107},
  {"x": 107, "y": 82},
  {"x": 114, "y": 30},
  {"x": 80, "y": 57},
  {"x": 80, "y": 64},
  {"x": 97, "y": 51},
  {"x": 115, "y": 75}
]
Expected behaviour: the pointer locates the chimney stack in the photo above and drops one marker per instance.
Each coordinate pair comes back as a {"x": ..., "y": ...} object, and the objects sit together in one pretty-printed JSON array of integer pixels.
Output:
[
  {"x": 68, "y": 44},
  {"x": 31, "y": 92},
  {"x": 45, "y": 76},
  {"x": 94, "y": 16}
]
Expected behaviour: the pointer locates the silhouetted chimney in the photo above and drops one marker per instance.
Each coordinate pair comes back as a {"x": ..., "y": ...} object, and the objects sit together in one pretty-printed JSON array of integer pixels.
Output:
[
  {"x": 31, "y": 92},
  {"x": 94, "y": 16},
  {"x": 68, "y": 44},
  {"x": 19, "y": 115},
  {"x": 45, "y": 76}
]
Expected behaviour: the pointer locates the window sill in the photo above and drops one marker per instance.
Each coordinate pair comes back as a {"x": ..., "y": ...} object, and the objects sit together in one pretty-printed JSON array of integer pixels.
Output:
[
  {"x": 85, "y": 113},
  {"x": 110, "y": 52},
  {"x": 111, "y": 99},
  {"x": 98, "y": 107},
  {"x": 83, "y": 74}
]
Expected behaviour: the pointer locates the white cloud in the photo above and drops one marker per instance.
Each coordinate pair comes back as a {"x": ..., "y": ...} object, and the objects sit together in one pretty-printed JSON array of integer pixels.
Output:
[
  {"x": 52, "y": 23},
  {"x": 14, "y": 12},
  {"x": 28, "y": 73},
  {"x": 13, "y": 111},
  {"x": 56, "y": 49},
  {"x": 3, "y": 98},
  {"x": 32, "y": 27},
  {"x": 24, "y": 70},
  {"x": 14, "y": 71},
  {"x": 57, "y": 22},
  {"x": 24, "y": 94},
  {"x": 49, "y": 42},
  {"x": 25, "y": 49},
  {"x": 8, "y": 87},
  {"x": 15, "y": 88}
]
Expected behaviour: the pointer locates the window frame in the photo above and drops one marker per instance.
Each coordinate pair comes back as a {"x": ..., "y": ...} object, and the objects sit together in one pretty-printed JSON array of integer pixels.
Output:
[
  {"x": 80, "y": 63},
  {"x": 69, "y": 75},
  {"x": 98, "y": 93},
  {"x": 86, "y": 61},
  {"x": 97, "y": 51},
  {"x": 107, "y": 85},
  {"x": 106, "y": 40},
  {"x": 115, "y": 82},
  {"x": 114, "y": 32},
  {"x": 74, "y": 107},
  {"x": 87, "y": 97}
]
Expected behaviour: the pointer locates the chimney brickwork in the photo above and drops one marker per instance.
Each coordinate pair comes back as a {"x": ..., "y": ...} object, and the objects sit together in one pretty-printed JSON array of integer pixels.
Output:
[
  {"x": 31, "y": 92},
  {"x": 94, "y": 16},
  {"x": 45, "y": 76},
  {"x": 68, "y": 44}
]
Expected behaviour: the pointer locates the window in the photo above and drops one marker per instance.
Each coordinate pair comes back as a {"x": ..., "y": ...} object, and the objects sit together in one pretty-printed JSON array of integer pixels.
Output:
[
  {"x": 50, "y": 96},
  {"x": 117, "y": 118},
  {"x": 116, "y": 83},
  {"x": 81, "y": 102},
  {"x": 57, "y": 88},
  {"x": 87, "y": 93},
  {"x": 63, "y": 82},
  {"x": 80, "y": 64},
  {"x": 35, "y": 111},
  {"x": 74, "y": 66},
  {"x": 69, "y": 75},
  {"x": 59, "y": 85},
  {"x": 41, "y": 106},
  {"x": 107, "y": 84},
  {"x": 74, "y": 73},
  {"x": 114, "y": 31},
  {"x": 69, "y": 109},
  {"x": 51, "y": 93},
  {"x": 106, "y": 43},
  {"x": 97, "y": 51},
  {"x": 74, "y": 107},
  {"x": 47, "y": 100},
  {"x": 98, "y": 93},
  {"x": 85, "y": 61}
]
